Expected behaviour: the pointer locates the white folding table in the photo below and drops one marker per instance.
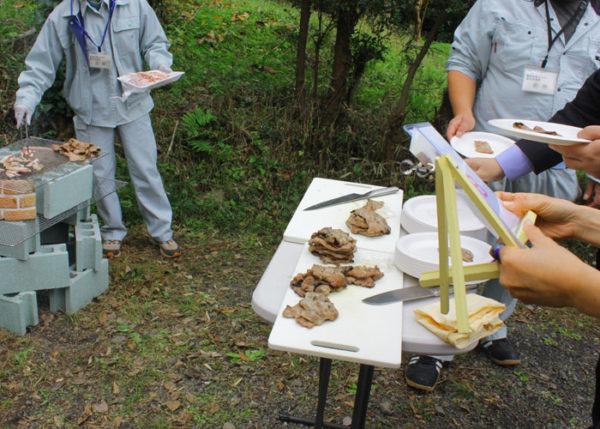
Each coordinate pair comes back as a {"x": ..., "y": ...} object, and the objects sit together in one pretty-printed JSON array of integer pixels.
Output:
[{"x": 365, "y": 334}]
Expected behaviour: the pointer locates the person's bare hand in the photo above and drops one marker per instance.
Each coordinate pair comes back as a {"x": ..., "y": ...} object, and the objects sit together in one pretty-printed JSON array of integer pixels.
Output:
[
  {"x": 556, "y": 217},
  {"x": 487, "y": 169},
  {"x": 592, "y": 193},
  {"x": 542, "y": 274},
  {"x": 460, "y": 124},
  {"x": 583, "y": 156}
]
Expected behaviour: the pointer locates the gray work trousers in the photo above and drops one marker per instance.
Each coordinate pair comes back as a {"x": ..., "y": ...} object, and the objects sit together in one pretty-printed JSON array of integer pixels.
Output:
[{"x": 139, "y": 146}]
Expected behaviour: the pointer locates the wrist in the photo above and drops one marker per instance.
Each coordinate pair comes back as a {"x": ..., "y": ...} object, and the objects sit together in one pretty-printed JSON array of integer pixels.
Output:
[{"x": 584, "y": 296}]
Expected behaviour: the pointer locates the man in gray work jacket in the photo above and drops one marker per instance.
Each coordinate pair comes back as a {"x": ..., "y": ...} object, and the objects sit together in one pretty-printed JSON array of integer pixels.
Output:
[
  {"x": 102, "y": 40},
  {"x": 518, "y": 59}
]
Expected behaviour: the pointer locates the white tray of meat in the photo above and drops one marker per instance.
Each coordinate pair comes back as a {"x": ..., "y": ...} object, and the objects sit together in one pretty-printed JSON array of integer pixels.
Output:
[{"x": 146, "y": 80}]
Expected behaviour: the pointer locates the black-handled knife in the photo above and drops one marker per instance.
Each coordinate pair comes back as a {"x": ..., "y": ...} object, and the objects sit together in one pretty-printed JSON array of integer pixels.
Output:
[{"x": 353, "y": 197}]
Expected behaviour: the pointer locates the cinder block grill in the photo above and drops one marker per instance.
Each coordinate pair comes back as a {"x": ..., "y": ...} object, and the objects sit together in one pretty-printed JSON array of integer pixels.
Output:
[{"x": 73, "y": 273}]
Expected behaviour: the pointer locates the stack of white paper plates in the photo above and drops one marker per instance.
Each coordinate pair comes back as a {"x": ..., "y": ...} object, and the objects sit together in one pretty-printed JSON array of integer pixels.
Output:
[
  {"x": 418, "y": 252},
  {"x": 420, "y": 215}
]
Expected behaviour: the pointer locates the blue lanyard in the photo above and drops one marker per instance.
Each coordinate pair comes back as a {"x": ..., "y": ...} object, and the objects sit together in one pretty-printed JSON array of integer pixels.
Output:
[{"x": 78, "y": 21}]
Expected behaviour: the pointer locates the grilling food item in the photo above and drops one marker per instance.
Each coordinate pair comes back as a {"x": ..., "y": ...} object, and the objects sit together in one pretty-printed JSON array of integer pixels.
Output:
[
  {"x": 365, "y": 221},
  {"x": 16, "y": 165},
  {"x": 361, "y": 275},
  {"x": 312, "y": 310},
  {"x": 466, "y": 254},
  {"x": 76, "y": 150},
  {"x": 332, "y": 246},
  {"x": 482, "y": 146},
  {"x": 536, "y": 129},
  {"x": 145, "y": 78},
  {"x": 322, "y": 279}
]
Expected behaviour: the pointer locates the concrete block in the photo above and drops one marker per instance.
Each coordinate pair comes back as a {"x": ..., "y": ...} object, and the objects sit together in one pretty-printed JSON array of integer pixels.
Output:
[
  {"x": 88, "y": 245},
  {"x": 19, "y": 311},
  {"x": 82, "y": 214},
  {"x": 22, "y": 250},
  {"x": 46, "y": 269},
  {"x": 85, "y": 286},
  {"x": 14, "y": 233},
  {"x": 65, "y": 191}
]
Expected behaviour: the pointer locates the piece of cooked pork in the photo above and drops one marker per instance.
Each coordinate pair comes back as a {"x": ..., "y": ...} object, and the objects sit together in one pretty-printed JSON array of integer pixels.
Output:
[{"x": 365, "y": 221}]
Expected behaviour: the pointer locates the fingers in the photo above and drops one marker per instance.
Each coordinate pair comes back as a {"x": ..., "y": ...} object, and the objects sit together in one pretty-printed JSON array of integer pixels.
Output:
[
  {"x": 591, "y": 132},
  {"x": 592, "y": 194},
  {"x": 587, "y": 194},
  {"x": 534, "y": 234},
  {"x": 452, "y": 127}
]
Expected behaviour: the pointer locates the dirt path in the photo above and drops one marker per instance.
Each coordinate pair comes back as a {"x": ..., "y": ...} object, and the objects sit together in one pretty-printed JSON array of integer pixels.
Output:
[{"x": 177, "y": 344}]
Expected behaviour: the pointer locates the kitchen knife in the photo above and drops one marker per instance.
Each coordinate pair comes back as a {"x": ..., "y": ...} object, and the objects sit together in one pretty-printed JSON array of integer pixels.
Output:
[
  {"x": 354, "y": 197},
  {"x": 407, "y": 294}
]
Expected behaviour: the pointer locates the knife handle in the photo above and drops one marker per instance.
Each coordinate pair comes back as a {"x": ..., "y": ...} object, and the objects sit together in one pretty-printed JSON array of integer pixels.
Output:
[{"x": 381, "y": 192}]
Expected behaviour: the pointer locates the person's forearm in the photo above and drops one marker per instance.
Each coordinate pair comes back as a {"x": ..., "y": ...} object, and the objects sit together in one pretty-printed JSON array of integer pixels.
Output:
[
  {"x": 461, "y": 92},
  {"x": 586, "y": 225},
  {"x": 585, "y": 295}
]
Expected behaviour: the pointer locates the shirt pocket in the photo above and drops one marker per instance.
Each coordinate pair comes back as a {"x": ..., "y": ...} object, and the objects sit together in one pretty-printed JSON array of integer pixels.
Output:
[
  {"x": 580, "y": 61},
  {"x": 127, "y": 34},
  {"x": 512, "y": 46}
]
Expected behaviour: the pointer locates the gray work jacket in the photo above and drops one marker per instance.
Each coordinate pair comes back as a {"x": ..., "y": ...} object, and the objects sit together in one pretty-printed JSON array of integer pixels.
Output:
[{"x": 135, "y": 36}]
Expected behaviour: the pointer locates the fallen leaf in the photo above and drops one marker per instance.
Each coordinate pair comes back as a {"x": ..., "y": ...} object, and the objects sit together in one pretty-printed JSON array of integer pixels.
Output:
[
  {"x": 169, "y": 385},
  {"x": 115, "y": 389},
  {"x": 103, "y": 319},
  {"x": 101, "y": 407},
  {"x": 58, "y": 422},
  {"x": 172, "y": 405},
  {"x": 87, "y": 413}
]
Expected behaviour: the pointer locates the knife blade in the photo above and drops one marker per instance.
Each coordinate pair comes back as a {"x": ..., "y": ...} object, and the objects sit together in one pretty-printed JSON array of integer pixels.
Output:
[
  {"x": 354, "y": 197},
  {"x": 406, "y": 294}
]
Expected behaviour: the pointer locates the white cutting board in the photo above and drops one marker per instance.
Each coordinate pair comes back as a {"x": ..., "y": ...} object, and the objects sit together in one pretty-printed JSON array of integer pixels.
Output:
[
  {"x": 305, "y": 223},
  {"x": 362, "y": 333}
]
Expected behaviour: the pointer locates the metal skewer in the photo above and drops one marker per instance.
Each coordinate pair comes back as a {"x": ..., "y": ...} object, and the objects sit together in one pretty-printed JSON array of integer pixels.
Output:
[{"x": 27, "y": 137}]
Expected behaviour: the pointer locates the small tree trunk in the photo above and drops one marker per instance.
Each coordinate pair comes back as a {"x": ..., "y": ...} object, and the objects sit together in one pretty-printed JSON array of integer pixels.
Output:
[
  {"x": 301, "y": 56},
  {"x": 396, "y": 118},
  {"x": 342, "y": 63}
]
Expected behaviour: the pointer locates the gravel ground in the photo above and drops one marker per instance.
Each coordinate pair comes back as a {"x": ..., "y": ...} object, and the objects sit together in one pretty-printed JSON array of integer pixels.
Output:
[{"x": 177, "y": 344}]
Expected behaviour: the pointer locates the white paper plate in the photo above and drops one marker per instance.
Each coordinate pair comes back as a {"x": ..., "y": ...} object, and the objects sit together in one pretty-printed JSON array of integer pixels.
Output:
[
  {"x": 132, "y": 80},
  {"x": 420, "y": 215},
  {"x": 465, "y": 144},
  {"x": 417, "y": 253},
  {"x": 567, "y": 134}
]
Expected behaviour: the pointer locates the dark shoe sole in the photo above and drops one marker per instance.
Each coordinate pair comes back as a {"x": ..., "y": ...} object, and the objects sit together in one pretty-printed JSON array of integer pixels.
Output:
[
  {"x": 172, "y": 255},
  {"x": 111, "y": 255},
  {"x": 420, "y": 386},
  {"x": 506, "y": 362}
]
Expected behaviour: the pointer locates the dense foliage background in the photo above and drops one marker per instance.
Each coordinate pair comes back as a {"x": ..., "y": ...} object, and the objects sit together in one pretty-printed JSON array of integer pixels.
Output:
[{"x": 236, "y": 148}]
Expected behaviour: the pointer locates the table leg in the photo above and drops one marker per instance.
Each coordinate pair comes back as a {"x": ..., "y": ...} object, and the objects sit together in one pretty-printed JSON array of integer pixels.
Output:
[
  {"x": 324, "y": 373},
  {"x": 361, "y": 400}
]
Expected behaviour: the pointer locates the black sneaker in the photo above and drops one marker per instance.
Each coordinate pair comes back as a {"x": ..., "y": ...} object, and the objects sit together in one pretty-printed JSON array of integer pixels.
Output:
[
  {"x": 501, "y": 352},
  {"x": 423, "y": 372}
]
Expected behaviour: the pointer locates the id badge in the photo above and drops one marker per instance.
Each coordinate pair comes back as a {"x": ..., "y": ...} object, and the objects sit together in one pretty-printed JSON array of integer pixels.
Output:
[
  {"x": 539, "y": 80},
  {"x": 99, "y": 61}
]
